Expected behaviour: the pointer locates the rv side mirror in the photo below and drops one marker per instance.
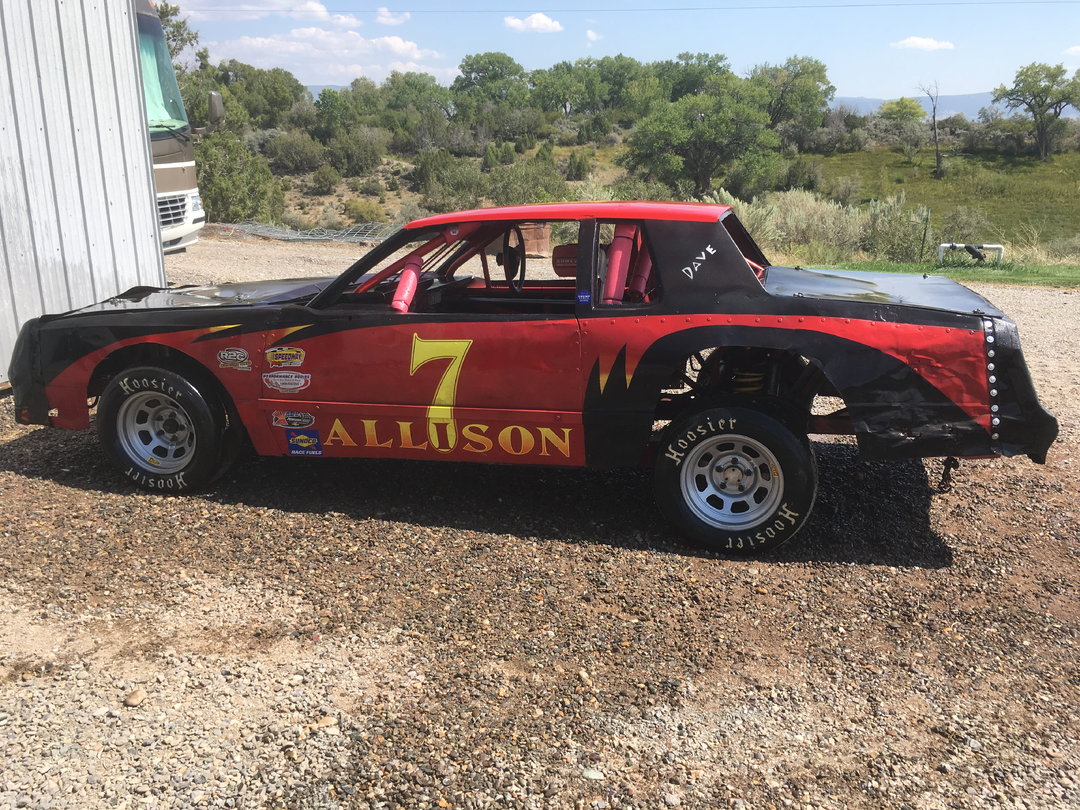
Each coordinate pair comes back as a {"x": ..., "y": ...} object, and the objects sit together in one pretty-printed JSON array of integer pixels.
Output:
[{"x": 216, "y": 109}]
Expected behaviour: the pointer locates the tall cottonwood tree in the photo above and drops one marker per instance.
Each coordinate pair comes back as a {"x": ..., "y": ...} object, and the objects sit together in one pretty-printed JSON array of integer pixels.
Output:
[{"x": 1044, "y": 91}]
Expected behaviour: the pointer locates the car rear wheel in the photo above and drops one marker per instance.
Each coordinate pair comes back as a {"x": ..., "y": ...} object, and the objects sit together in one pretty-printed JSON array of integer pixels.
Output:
[
  {"x": 162, "y": 431},
  {"x": 735, "y": 480}
]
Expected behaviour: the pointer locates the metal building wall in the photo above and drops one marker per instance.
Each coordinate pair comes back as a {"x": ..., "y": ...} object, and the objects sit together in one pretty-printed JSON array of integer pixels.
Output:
[{"x": 77, "y": 213}]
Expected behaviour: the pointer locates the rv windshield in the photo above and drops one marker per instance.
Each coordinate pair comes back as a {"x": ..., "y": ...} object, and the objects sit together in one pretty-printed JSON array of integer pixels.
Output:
[{"x": 164, "y": 107}]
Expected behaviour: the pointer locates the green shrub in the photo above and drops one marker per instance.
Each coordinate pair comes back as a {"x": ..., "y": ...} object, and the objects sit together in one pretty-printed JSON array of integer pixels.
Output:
[
  {"x": 294, "y": 153},
  {"x": 236, "y": 184},
  {"x": 356, "y": 152},
  {"x": 291, "y": 219},
  {"x": 847, "y": 190},
  {"x": 364, "y": 211},
  {"x": 968, "y": 225},
  {"x": 324, "y": 180},
  {"x": 578, "y": 166},
  {"x": 530, "y": 181}
]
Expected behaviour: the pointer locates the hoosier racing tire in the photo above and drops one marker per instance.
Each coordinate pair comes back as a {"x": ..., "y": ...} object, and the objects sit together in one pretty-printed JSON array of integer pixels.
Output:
[
  {"x": 735, "y": 480},
  {"x": 164, "y": 433}
]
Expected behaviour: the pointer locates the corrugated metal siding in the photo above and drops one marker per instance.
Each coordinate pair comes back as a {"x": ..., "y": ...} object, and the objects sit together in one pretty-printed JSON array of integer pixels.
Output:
[{"x": 78, "y": 221}]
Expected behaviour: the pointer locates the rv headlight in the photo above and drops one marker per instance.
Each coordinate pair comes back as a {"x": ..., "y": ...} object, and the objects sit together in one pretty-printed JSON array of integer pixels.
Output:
[{"x": 196, "y": 203}]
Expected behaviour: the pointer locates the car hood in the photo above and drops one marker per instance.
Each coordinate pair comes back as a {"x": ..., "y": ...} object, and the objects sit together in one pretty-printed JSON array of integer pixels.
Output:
[
  {"x": 932, "y": 292},
  {"x": 250, "y": 293}
]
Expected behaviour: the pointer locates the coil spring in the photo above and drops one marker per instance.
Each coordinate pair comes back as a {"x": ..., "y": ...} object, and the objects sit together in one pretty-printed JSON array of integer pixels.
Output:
[{"x": 748, "y": 382}]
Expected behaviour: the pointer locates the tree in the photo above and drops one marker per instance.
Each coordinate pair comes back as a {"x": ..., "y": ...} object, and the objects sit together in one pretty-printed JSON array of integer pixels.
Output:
[
  {"x": 491, "y": 76},
  {"x": 690, "y": 74},
  {"x": 1044, "y": 92},
  {"x": 332, "y": 113},
  {"x": 902, "y": 110},
  {"x": 234, "y": 183},
  {"x": 178, "y": 34},
  {"x": 798, "y": 94},
  {"x": 931, "y": 92},
  {"x": 698, "y": 138}
]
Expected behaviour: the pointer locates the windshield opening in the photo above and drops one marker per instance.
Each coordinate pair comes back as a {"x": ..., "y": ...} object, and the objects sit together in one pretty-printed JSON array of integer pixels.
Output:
[{"x": 164, "y": 106}]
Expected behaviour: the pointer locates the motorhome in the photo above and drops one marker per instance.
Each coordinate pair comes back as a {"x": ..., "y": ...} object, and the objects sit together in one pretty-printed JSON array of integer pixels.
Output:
[{"x": 172, "y": 138}]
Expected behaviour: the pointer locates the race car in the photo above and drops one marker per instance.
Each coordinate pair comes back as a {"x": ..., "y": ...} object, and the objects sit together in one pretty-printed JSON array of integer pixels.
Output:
[{"x": 599, "y": 334}]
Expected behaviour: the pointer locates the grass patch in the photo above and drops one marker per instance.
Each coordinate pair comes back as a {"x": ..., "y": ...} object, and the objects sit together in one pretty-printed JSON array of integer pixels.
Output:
[
  {"x": 1064, "y": 275},
  {"x": 1019, "y": 195}
]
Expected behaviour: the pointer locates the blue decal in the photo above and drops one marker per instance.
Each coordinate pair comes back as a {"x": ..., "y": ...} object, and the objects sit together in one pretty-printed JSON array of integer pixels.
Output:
[
  {"x": 304, "y": 442},
  {"x": 584, "y": 296}
]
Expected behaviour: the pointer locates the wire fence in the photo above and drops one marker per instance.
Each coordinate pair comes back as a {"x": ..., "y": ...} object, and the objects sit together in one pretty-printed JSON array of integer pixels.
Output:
[{"x": 369, "y": 232}]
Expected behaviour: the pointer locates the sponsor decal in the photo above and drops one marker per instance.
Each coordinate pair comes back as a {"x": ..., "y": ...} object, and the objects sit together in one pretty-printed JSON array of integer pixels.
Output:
[
  {"x": 286, "y": 381},
  {"x": 691, "y": 269},
  {"x": 234, "y": 357},
  {"x": 584, "y": 296},
  {"x": 304, "y": 442},
  {"x": 285, "y": 357},
  {"x": 514, "y": 440},
  {"x": 293, "y": 419}
]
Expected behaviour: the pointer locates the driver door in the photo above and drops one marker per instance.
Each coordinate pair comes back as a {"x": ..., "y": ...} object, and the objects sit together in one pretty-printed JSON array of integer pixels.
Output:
[{"x": 490, "y": 375}]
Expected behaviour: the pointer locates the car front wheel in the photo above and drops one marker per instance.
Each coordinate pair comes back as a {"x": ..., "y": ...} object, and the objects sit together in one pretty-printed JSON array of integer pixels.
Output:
[
  {"x": 735, "y": 480},
  {"x": 163, "y": 432}
]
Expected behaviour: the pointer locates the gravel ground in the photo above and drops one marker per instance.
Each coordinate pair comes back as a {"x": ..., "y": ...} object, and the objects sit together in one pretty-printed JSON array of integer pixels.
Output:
[{"x": 384, "y": 634}]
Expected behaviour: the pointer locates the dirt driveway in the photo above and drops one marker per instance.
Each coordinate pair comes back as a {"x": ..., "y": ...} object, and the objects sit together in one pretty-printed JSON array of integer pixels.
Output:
[{"x": 384, "y": 634}]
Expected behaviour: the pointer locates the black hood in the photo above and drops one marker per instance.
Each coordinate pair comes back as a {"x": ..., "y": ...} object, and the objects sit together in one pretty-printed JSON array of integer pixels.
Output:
[
  {"x": 931, "y": 292},
  {"x": 250, "y": 293}
]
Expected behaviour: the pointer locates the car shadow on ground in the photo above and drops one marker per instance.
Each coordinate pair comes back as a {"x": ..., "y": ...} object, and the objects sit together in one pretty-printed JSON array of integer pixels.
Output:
[{"x": 866, "y": 513}]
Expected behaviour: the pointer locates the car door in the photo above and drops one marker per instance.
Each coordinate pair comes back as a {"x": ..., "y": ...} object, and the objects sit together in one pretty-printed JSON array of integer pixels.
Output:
[{"x": 363, "y": 379}]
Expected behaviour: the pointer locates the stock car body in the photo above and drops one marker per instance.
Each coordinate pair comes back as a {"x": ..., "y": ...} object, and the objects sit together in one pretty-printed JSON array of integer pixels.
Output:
[{"x": 571, "y": 334}]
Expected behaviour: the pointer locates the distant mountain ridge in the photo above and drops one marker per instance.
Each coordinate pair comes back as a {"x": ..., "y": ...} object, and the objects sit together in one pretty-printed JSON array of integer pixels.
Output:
[{"x": 969, "y": 104}]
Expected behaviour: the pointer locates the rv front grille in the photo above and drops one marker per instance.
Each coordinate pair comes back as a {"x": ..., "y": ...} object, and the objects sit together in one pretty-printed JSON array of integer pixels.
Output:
[{"x": 172, "y": 210}]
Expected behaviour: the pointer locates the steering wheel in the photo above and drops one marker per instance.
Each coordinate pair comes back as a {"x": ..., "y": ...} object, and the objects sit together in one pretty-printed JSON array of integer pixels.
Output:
[{"x": 512, "y": 259}]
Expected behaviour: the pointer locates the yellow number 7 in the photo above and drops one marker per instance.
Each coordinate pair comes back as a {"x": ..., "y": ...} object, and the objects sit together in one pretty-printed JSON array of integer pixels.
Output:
[{"x": 441, "y": 410}]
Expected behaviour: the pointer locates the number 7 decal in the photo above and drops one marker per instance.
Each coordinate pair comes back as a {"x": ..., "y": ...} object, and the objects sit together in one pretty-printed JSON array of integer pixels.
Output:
[{"x": 441, "y": 410}]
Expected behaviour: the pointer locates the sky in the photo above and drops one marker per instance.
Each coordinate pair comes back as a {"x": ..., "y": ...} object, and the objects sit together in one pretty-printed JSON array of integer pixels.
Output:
[{"x": 873, "y": 48}]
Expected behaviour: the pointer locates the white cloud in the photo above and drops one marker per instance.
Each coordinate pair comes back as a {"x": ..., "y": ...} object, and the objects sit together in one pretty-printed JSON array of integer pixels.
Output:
[
  {"x": 387, "y": 17},
  {"x": 1073, "y": 51},
  {"x": 307, "y": 10},
  {"x": 535, "y": 23},
  {"x": 923, "y": 44},
  {"x": 325, "y": 56},
  {"x": 592, "y": 36}
]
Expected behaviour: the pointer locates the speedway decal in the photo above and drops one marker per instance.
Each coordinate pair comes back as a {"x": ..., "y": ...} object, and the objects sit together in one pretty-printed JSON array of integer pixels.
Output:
[{"x": 285, "y": 357}]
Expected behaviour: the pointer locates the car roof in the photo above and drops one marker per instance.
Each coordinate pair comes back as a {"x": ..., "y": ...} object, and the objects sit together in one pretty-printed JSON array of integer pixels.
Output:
[{"x": 672, "y": 211}]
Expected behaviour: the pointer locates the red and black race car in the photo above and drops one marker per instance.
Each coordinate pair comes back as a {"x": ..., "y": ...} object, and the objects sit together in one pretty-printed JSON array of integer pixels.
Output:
[{"x": 598, "y": 334}]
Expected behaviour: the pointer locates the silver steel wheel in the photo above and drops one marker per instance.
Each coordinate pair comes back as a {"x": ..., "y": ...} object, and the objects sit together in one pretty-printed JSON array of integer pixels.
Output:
[
  {"x": 155, "y": 432},
  {"x": 731, "y": 482}
]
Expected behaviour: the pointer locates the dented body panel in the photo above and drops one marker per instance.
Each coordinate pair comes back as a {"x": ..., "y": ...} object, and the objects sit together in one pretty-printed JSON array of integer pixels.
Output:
[{"x": 548, "y": 374}]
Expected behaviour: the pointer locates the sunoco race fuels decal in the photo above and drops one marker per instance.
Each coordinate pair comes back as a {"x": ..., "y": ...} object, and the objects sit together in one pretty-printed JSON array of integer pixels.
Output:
[{"x": 304, "y": 442}]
